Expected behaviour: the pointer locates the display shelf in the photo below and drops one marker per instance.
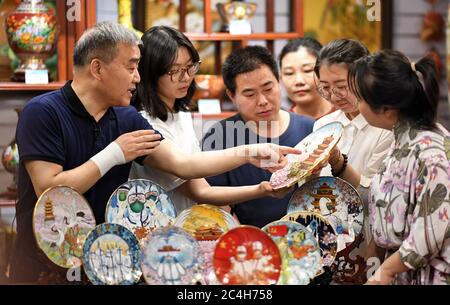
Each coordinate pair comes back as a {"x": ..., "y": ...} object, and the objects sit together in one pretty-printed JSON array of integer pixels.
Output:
[
  {"x": 12, "y": 86},
  {"x": 231, "y": 37},
  {"x": 5, "y": 203},
  {"x": 216, "y": 116}
]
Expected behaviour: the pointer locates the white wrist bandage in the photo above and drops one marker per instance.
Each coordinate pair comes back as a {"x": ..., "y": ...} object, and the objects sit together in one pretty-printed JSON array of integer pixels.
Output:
[{"x": 109, "y": 157}]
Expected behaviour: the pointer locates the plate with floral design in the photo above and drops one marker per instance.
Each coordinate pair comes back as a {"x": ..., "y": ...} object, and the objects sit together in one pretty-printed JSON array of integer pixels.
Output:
[
  {"x": 111, "y": 256},
  {"x": 300, "y": 252},
  {"x": 321, "y": 230},
  {"x": 62, "y": 219},
  {"x": 337, "y": 201},
  {"x": 206, "y": 223},
  {"x": 171, "y": 256},
  {"x": 141, "y": 206},
  {"x": 246, "y": 255},
  {"x": 315, "y": 148}
]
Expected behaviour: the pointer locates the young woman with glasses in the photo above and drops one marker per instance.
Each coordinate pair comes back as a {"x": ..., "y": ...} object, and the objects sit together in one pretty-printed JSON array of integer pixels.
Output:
[
  {"x": 167, "y": 68},
  {"x": 297, "y": 60},
  {"x": 362, "y": 145},
  {"x": 365, "y": 146}
]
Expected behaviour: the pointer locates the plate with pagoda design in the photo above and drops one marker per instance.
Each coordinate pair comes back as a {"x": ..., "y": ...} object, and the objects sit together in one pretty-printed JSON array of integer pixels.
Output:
[
  {"x": 321, "y": 230},
  {"x": 62, "y": 219},
  {"x": 141, "y": 206},
  {"x": 206, "y": 223},
  {"x": 337, "y": 201},
  {"x": 246, "y": 255},
  {"x": 300, "y": 252},
  {"x": 171, "y": 256},
  {"x": 111, "y": 256},
  {"x": 315, "y": 148}
]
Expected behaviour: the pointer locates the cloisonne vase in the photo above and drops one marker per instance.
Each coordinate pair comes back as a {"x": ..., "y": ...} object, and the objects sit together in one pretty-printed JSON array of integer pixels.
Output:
[
  {"x": 32, "y": 32},
  {"x": 10, "y": 161}
]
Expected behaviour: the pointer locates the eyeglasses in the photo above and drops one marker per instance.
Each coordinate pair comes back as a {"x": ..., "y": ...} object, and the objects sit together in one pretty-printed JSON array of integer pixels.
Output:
[
  {"x": 178, "y": 74},
  {"x": 339, "y": 92}
]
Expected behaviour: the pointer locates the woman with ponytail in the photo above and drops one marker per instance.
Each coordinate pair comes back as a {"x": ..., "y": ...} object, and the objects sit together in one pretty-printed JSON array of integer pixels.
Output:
[{"x": 409, "y": 197}]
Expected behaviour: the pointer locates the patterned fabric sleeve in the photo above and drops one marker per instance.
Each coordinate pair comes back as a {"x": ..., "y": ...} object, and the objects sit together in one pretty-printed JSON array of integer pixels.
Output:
[{"x": 429, "y": 222}]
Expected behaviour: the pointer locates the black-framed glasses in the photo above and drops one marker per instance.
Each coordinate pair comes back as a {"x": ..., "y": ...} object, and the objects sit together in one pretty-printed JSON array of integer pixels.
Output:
[
  {"x": 178, "y": 74},
  {"x": 339, "y": 92}
]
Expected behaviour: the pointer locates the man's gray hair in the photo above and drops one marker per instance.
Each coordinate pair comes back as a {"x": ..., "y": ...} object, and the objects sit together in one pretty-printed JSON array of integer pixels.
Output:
[{"x": 101, "y": 42}]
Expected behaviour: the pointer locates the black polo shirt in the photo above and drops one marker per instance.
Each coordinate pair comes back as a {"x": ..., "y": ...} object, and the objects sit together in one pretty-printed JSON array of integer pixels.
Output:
[{"x": 55, "y": 127}]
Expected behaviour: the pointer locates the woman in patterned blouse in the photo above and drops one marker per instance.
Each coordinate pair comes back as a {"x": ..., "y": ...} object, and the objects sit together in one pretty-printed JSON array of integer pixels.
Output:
[{"x": 410, "y": 194}]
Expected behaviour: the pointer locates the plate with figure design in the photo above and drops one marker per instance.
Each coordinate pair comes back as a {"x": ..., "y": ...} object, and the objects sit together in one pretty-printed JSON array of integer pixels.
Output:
[
  {"x": 321, "y": 230},
  {"x": 300, "y": 252},
  {"x": 206, "y": 223},
  {"x": 141, "y": 206},
  {"x": 111, "y": 256},
  {"x": 246, "y": 255},
  {"x": 337, "y": 201},
  {"x": 62, "y": 219},
  {"x": 315, "y": 148},
  {"x": 171, "y": 256}
]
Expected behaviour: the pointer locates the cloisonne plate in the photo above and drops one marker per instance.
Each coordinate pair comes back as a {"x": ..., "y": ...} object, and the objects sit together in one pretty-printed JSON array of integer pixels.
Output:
[
  {"x": 141, "y": 206},
  {"x": 337, "y": 201},
  {"x": 171, "y": 256},
  {"x": 321, "y": 230},
  {"x": 111, "y": 256},
  {"x": 246, "y": 255},
  {"x": 62, "y": 219},
  {"x": 206, "y": 223},
  {"x": 300, "y": 252},
  {"x": 315, "y": 148}
]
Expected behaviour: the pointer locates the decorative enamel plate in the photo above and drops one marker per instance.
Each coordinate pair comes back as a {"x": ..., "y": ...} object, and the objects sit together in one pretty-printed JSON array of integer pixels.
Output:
[
  {"x": 170, "y": 256},
  {"x": 315, "y": 148},
  {"x": 300, "y": 252},
  {"x": 321, "y": 230},
  {"x": 111, "y": 256},
  {"x": 336, "y": 200},
  {"x": 247, "y": 255},
  {"x": 62, "y": 220},
  {"x": 206, "y": 223},
  {"x": 141, "y": 206}
]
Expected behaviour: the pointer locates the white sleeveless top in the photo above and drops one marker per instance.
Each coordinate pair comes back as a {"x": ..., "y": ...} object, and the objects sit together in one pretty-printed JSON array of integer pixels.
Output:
[{"x": 178, "y": 129}]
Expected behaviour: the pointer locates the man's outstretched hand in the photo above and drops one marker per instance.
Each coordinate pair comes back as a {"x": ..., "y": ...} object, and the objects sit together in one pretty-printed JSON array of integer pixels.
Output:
[{"x": 269, "y": 156}]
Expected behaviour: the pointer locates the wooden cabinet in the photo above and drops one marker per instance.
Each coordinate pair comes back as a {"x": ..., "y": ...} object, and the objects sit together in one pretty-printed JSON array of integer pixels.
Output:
[
  {"x": 70, "y": 31},
  {"x": 221, "y": 41},
  {"x": 295, "y": 31}
]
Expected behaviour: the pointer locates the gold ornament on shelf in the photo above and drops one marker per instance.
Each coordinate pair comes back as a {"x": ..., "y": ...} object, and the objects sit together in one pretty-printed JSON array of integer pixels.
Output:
[{"x": 236, "y": 16}]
